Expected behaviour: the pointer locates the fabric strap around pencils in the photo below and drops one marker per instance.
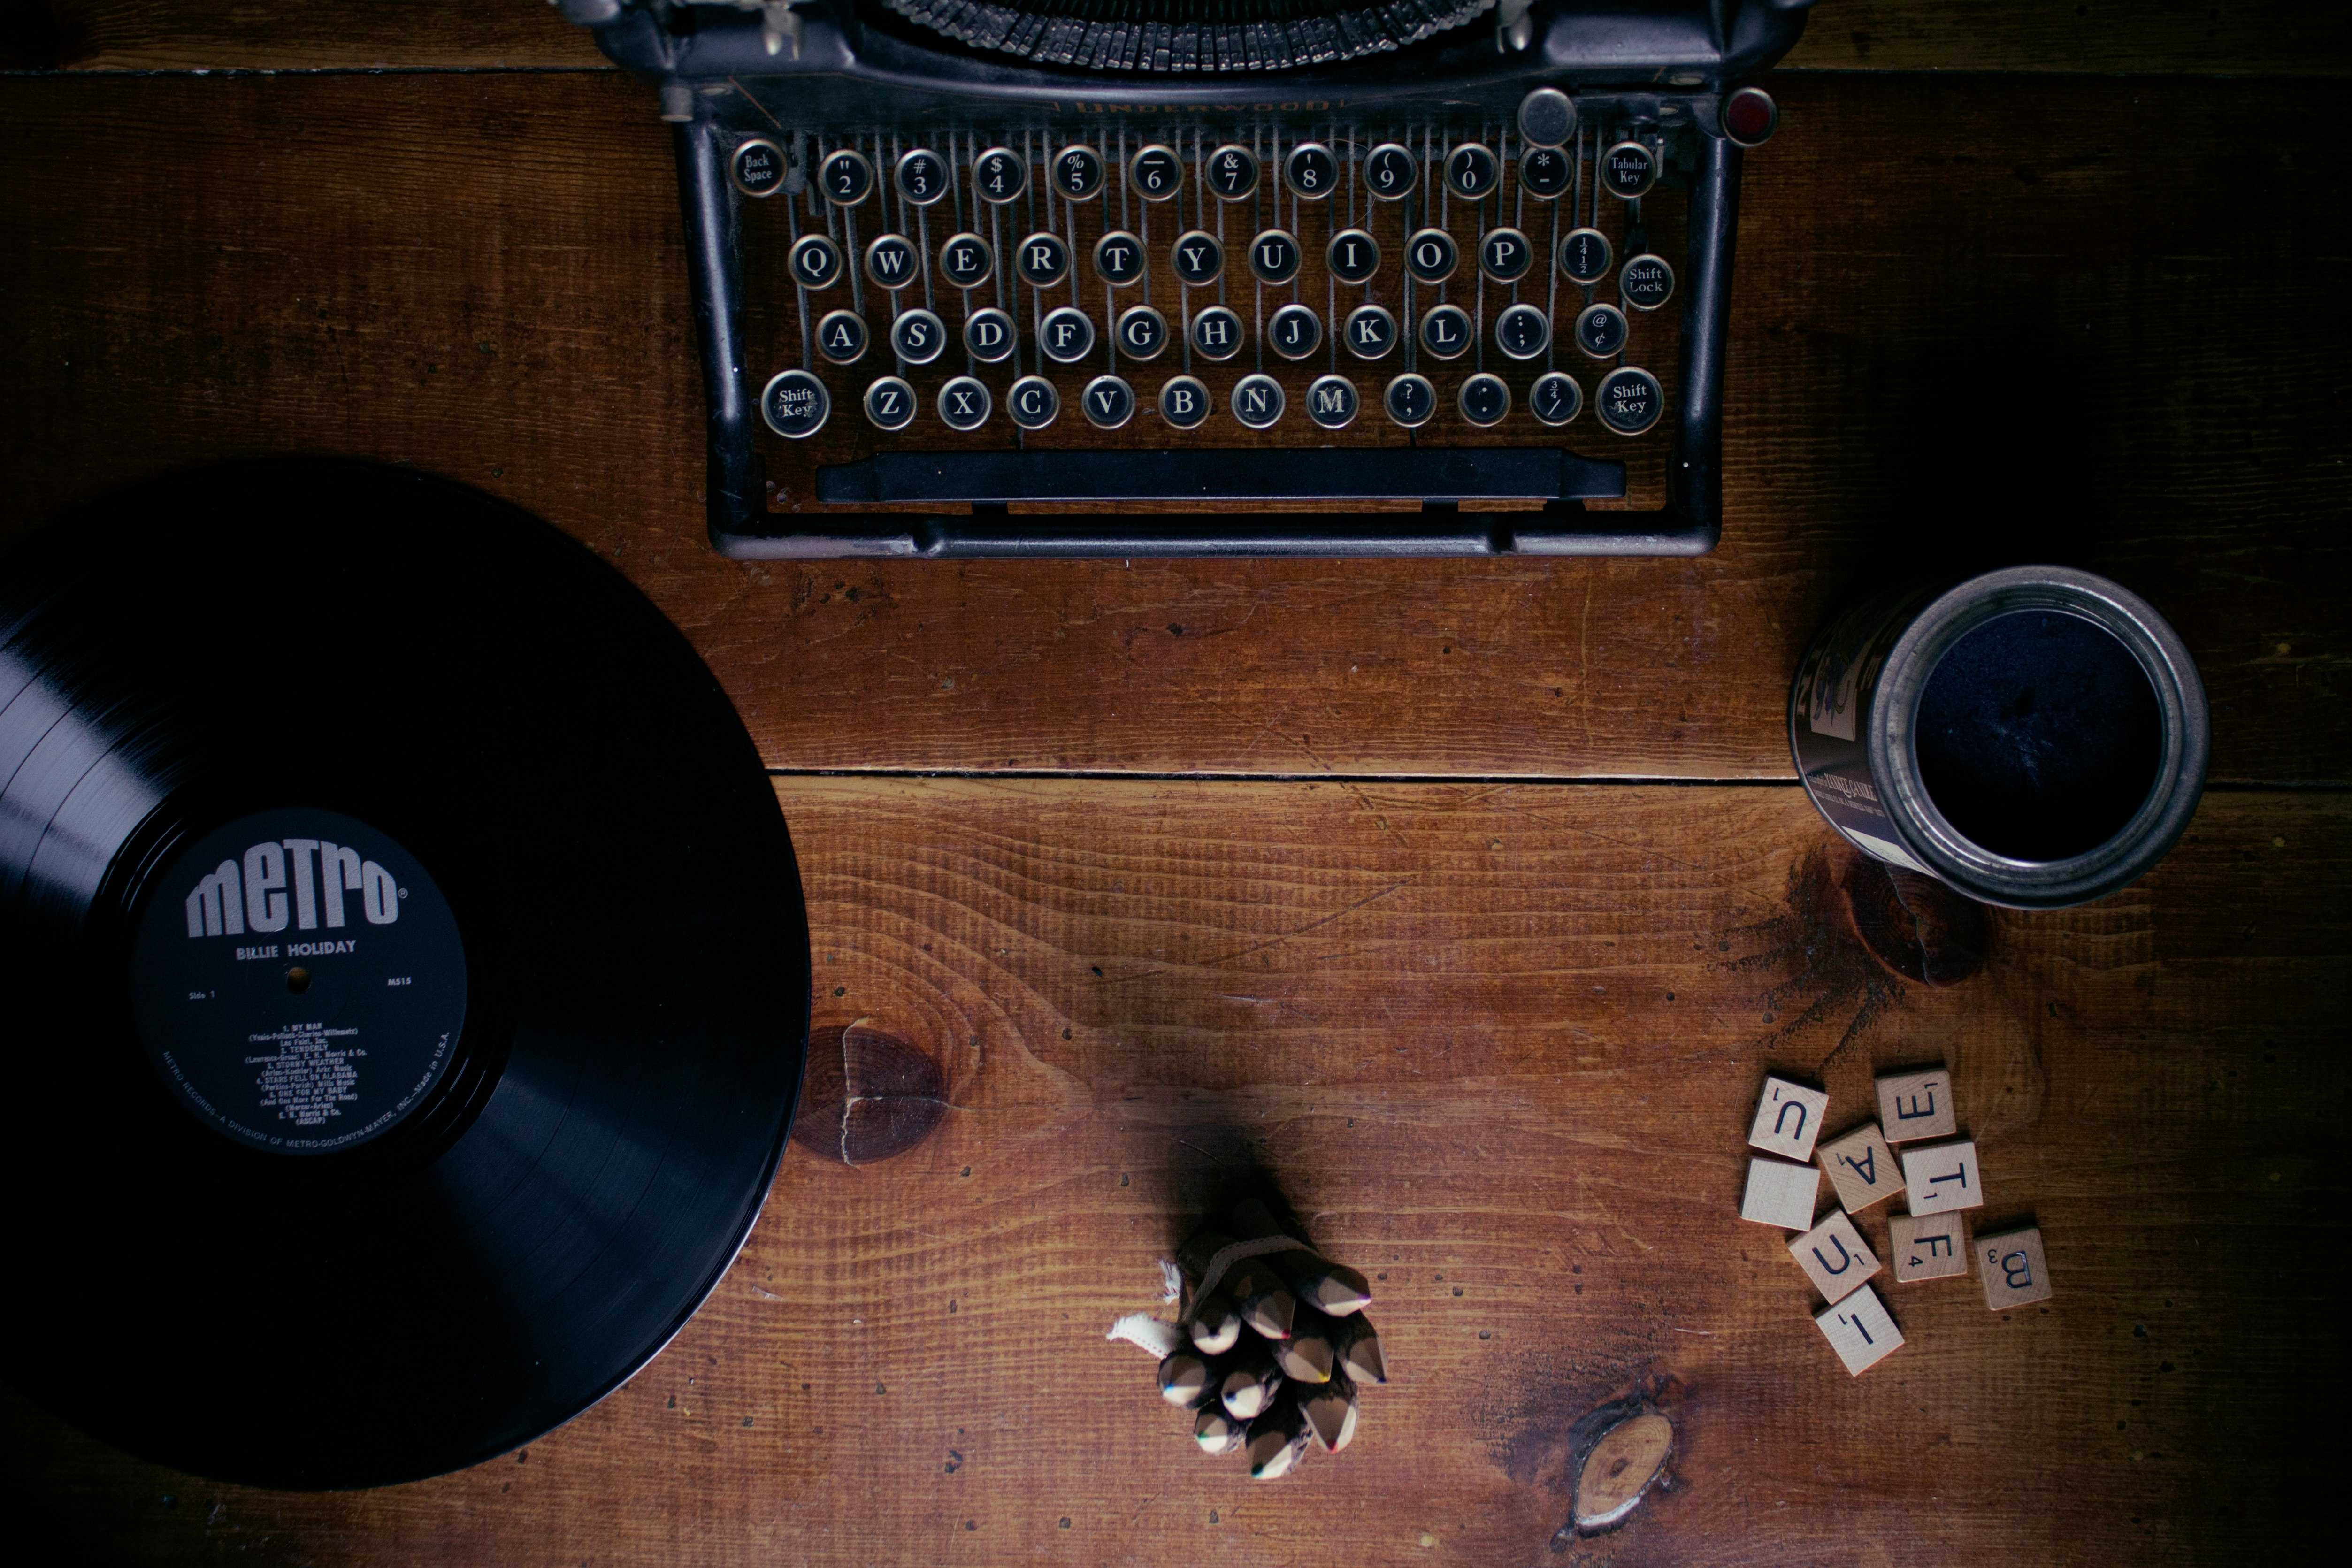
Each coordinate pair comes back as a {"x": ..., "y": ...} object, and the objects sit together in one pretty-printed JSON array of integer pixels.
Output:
[{"x": 1226, "y": 1257}]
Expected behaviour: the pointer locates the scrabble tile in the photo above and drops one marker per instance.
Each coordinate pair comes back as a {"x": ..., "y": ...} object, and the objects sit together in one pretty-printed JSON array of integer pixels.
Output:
[
  {"x": 1862, "y": 1167},
  {"x": 2010, "y": 1266},
  {"x": 1780, "y": 1194},
  {"x": 1860, "y": 1330},
  {"x": 1943, "y": 1177},
  {"x": 1927, "y": 1247},
  {"x": 1916, "y": 1106},
  {"x": 1834, "y": 1257},
  {"x": 1788, "y": 1119}
]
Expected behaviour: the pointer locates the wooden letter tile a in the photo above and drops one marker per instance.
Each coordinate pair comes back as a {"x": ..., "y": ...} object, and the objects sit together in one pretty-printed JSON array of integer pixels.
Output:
[
  {"x": 1913, "y": 1105},
  {"x": 2012, "y": 1269},
  {"x": 1780, "y": 1194},
  {"x": 1931, "y": 1248},
  {"x": 1860, "y": 1330},
  {"x": 1788, "y": 1119},
  {"x": 1862, "y": 1167},
  {"x": 1834, "y": 1257}
]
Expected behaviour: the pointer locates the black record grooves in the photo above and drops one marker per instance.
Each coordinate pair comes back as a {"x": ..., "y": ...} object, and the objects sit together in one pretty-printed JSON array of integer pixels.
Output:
[{"x": 404, "y": 966}]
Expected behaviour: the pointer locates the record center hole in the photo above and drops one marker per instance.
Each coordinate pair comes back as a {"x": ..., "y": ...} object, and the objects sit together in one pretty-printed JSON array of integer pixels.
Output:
[{"x": 298, "y": 979}]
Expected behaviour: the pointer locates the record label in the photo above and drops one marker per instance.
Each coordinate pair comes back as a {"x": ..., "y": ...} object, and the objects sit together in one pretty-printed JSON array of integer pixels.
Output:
[{"x": 299, "y": 982}]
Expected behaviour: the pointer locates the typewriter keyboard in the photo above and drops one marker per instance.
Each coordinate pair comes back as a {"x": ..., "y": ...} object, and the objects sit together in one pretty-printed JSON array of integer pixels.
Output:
[{"x": 1319, "y": 286}]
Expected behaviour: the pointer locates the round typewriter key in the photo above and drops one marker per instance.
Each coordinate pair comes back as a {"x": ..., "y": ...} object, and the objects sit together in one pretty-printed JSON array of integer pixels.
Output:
[
  {"x": 1257, "y": 401},
  {"x": 1294, "y": 331},
  {"x": 922, "y": 176},
  {"x": 841, "y": 337},
  {"x": 1410, "y": 399},
  {"x": 1216, "y": 333},
  {"x": 1372, "y": 333},
  {"x": 891, "y": 261},
  {"x": 758, "y": 167},
  {"x": 891, "y": 404},
  {"x": 1446, "y": 332},
  {"x": 1184, "y": 403},
  {"x": 1431, "y": 256},
  {"x": 1352, "y": 256},
  {"x": 1555, "y": 398},
  {"x": 1119, "y": 258},
  {"x": 1066, "y": 335},
  {"x": 1390, "y": 172},
  {"x": 918, "y": 337},
  {"x": 1197, "y": 259},
  {"x": 1484, "y": 400},
  {"x": 1232, "y": 171},
  {"x": 1109, "y": 403},
  {"x": 1523, "y": 331},
  {"x": 1043, "y": 260},
  {"x": 1273, "y": 257},
  {"x": 1750, "y": 117},
  {"x": 815, "y": 262},
  {"x": 1601, "y": 331},
  {"x": 1142, "y": 332},
  {"x": 1584, "y": 256},
  {"x": 1331, "y": 401},
  {"x": 1646, "y": 282},
  {"x": 1504, "y": 255},
  {"x": 1547, "y": 118},
  {"x": 1310, "y": 171},
  {"x": 964, "y": 403},
  {"x": 966, "y": 261},
  {"x": 846, "y": 176},
  {"x": 1032, "y": 403},
  {"x": 1544, "y": 172},
  {"x": 1628, "y": 170},
  {"x": 1629, "y": 401},
  {"x": 988, "y": 335},
  {"x": 1470, "y": 171},
  {"x": 794, "y": 405},
  {"x": 1156, "y": 173},
  {"x": 1078, "y": 172},
  {"x": 1000, "y": 175}
]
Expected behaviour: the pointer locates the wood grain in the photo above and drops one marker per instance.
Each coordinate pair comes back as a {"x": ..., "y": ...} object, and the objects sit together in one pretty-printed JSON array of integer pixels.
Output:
[
  {"x": 1977, "y": 322},
  {"x": 1498, "y": 1044},
  {"x": 2252, "y": 37}
]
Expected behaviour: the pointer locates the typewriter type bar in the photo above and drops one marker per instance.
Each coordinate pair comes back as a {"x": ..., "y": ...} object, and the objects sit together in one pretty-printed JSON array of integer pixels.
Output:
[{"x": 1359, "y": 309}]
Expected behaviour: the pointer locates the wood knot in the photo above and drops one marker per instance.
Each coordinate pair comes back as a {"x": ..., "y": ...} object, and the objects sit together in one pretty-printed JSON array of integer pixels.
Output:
[{"x": 866, "y": 1096}]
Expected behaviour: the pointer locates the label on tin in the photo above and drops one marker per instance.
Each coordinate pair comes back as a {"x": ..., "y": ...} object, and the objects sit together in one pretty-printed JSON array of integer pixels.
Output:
[
  {"x": 1829, "y": 719},
  {"x": 299, "y": 982}
]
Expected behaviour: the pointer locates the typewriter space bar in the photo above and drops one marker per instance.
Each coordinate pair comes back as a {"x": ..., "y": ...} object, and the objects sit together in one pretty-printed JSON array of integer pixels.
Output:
[{"x": 1436, "y": 474}]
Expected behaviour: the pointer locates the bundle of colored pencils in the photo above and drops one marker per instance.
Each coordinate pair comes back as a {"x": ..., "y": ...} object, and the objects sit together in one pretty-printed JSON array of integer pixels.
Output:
[{"x": 1279, "y": 1343}]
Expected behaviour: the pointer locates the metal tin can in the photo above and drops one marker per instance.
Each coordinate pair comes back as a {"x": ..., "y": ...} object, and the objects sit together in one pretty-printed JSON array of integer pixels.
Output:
[{"x": 2035, "y": 738}]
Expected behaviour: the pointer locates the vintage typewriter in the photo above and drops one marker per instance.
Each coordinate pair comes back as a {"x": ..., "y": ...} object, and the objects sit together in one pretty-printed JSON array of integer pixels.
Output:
[{"x": 1120, "y": 278}]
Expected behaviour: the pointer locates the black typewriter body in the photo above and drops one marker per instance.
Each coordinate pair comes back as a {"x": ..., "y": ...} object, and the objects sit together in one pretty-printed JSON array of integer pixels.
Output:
[{"x": 1268, "y": 287}]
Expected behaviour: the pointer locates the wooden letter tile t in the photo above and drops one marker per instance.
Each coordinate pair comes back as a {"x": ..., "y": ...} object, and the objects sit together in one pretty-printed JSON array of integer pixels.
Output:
[
  {"x": 1934, "y": 1247},
  {"x": 1862, "y": 1167},
  {"x": 2013, "y": 1269},
  {"x": 1834, "y": 1257},
  {"x": 1943, "y": 1177},
  {"x": 1860, "y": 1330},
  {"x": 1788, "y": 1119},
  {"x": 1913, "y": 1105},
  {"x": 1780, "y": 1194}
]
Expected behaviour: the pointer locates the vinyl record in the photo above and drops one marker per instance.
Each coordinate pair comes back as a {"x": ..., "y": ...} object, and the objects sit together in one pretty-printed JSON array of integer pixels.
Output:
[{"x": 404, "y": 974}]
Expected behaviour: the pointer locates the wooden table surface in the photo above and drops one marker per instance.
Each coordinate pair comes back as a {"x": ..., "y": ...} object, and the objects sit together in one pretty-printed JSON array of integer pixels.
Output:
[{"x": 1470, "y": 902}]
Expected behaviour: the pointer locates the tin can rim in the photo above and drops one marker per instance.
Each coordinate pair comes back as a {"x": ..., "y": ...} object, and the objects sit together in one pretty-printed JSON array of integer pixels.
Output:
[{"x": 1892, "y": 740}]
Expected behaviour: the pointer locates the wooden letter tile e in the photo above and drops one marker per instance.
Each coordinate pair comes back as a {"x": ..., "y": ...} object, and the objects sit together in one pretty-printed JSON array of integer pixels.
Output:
[
  {"x": 1780, "y": 1194},
  {"x": 1860, "y": 1330},
  {"x": 1834, "y": 1257},
  {"x": 1788, "y": 1119},
  {"x": 1913, "y": 1105}
]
